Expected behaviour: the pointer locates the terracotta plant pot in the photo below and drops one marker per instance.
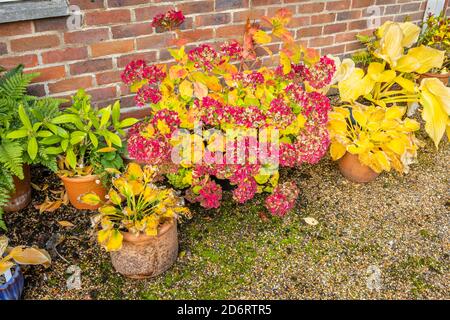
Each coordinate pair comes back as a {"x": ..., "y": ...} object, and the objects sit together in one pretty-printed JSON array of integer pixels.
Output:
[
  {"x": 443, "y": 77},
  {"x": 77, "y": 186},
  {"x": 22, "y": 196},
  {"x": 353, "y": 170},
  {"x": 145, "y": 256}
]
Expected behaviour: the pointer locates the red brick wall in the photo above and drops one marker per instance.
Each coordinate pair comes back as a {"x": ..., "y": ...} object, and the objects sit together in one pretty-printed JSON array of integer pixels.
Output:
[{"x": 115, "y": 32}]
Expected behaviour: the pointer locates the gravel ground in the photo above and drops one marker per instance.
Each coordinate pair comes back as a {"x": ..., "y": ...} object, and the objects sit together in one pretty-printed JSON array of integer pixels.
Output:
[{"x": 383, "y": 240}]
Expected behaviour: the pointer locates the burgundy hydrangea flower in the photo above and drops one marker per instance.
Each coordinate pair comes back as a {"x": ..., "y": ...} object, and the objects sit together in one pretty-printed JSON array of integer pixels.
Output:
[
  {"x": 280, "y": 113},
  {"x": 204, "y": 56},
  {"x": 233, "y": 49},
  {"x": 321, "y": 74},
  {"x": 210, "y": 195},
  {"x": 147, "y": 94},
  {"x": 245, "y": 191},
  {"x": 283, "y": 199},
  {"x": 138, "y": 70},
  {"x": 169, "y": 118},
  {"x": 169, "y": 20}
]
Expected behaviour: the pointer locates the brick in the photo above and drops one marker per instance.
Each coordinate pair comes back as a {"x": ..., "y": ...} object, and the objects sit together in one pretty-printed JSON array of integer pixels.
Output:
[
  {"x": 125, "y": 3},
  {"x": 212, "y": 19},
  {"x": 111, "y": 47},
  {"x": 196, "y": 7},
  {"x": 392, "y": 9},
  {"x": 90, "y": 66},
  {"x": 138, "y": 113},
  {"x": 333, "y": 50},
  {"x": 101, "y": 94},
  {"x": 321, "y": 42},
  {"x": 70, "y": 84},
  {"x": 348, "y": 15},
  {"x": 241, "y": 16},
  {"x": 199, "y": 34},
  {"x": 37, "y": 90},
  {"x": 131, "y": 30},
  {"x": 338, "y": 5},
  {"x": 29, "y": 61},
  {"x": 62, "y": 55},
  {"x": 52, "y": 24},
  {"x": 230, "y": 31},
  {"x": 353, "y": 46},
  {"x": 88, "y": 4},
  {"x": 335, "y": 28},
  {"x": 345, "y": 37},
  {"x": 323, "y": 18},
  {"x": 108, "y": 77},
  {"x": 49, "y": 73},
  {"x": 271, "y": 11},
  {"x": 264, "y": 2},
  {"x": 107, "y": 17},
  {"x": 362, "y": 3},
  {"x": 310, "y": 8},
  {"x": 299, "y": 22},
  {"x": 357, "y": 25},
  {"x": 147, "y": 13},
  {"x": 154, "y": 42},
  {"x": 3, "y": 48},
  {"x": 230, "y": 4},
  {"x": 86, "y": 36},
  {"x": 15, "y": 28},
  {"x": 126, "y": 59},
  {"x": 309, "y": 32},
  {"x": 34, "y": 43},
  {"x": 410, "y": 7}
]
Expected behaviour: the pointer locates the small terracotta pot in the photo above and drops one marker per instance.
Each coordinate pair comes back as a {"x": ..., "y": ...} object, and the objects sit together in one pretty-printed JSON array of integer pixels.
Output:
[
  {"x": 145, "y": 256},
  {"x": 353, "y": 170},
  {"x": 77, "y": 186},
  {"x": 441, "y": 76},
  {"x": 22, "y": 196}
]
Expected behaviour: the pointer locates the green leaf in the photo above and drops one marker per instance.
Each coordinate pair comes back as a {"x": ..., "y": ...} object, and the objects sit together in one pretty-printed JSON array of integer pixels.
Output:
[
  {"x": 76, "y": 137},
  {"x": 21, "y": 133},
  {"x": 128, "y": 122},
  {"x": 113, "y": 138},
  {"x": 65, "y": 144},
  {"x": 45, "y": 134},
  {"x": 58, "y": 131},
  {"x": 106, "y": 115},
  {"x": 24, "y": 118},
  {"x": 116, "y": 112},
  {"x": 53, "y": 150},
  {"x": 66, "y": 118},
  {"x": 71, "y": 158},
  {"x": 50, "y": 140},
  {"x": 32, "y": 148},
  {"x": 93, "y": 139}
]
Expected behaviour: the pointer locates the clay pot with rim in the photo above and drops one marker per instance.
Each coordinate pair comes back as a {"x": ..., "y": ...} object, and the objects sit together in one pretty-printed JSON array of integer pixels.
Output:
[
  {"x": 443, "y": 77},
  {"x": 22, "y": 194},
  {"x": 145, "y": 256},
  {"x": 352, "y": 169},
  {"x": 79, "y": 185}
]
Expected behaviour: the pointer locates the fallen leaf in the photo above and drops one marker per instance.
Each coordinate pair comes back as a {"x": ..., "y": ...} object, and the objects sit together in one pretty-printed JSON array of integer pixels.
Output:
[
  {"x": 263, "y": 216},
  {"x": 66, "y": 224},
  {"x": 48, "y": 206},
  {"x": 311, "y": 221}
]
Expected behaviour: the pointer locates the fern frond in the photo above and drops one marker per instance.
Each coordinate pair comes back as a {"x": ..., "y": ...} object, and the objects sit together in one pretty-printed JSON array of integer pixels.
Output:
[{"x": 11, "y": 157}]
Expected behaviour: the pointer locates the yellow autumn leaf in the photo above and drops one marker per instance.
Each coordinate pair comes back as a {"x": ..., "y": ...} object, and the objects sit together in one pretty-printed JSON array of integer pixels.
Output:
[
  {"x": 390, "y": 48},
  {"x": 382, "y": 160},
  {"x": 200, "y": 90},
  {"x": 420, "y": 60},
  {"x": 397, "y": 146},
  {"x": 434, "y": 115},
  {"x": 411, "y": 125},
  {"x": 285, "y": 62},
  {"x": 356, "y": 85},
  {"x": 261, "y": 37},
  {"x": 440, "y": 92},
  {"x": 24, "y": 255},
  {"x": 137, "y": 85},
  {"x": 337, "y": 150},
  {"x": 107, "y": 210},
  {"x": 114, "y": 242},
  {"x": 5, "y": 266},
  {"x": 376, "y": 71},
  {"x": 411, "y": 33},
  {"x": 360, "y": 117},
  {"x": 134, "y": 171},
  {"x": 395, "y": 112},
  {"x": 406, "y": 84},
  {"x": 91, "y": 199},
  {"x": 186, "y": 89},
  {"x": 162, "y": 127},
  {"x": 114, "y": 197}
]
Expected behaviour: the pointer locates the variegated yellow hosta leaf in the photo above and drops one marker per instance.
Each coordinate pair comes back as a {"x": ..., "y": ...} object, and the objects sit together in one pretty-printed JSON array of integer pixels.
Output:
[
  {"x": 337, "y": 150},
  {"x": 343, "y": 69},
  {"x": 360, "y": 117},
  {"x": 123, "y": 187},
  {"x": 337, "y": 127},
  {"x": 137, "y": 187},
  {"x": 406, "y": 84},
  {"x": 110, "y": 239},
  {"x": 411, "y": 33},
  {"x": 23, "y": 255},
  {"x": 114, "y": 197},
  {"x": 390, "y": 48},
  {"x": 91, "y": 199},
  {"x": 134, "y": 171},
  {"x": 440, "y": 92},
  {"x": 5, "y": 266},
  {"x": 356, "y": 85},
  {"x": 3, "y": 245},
  {"x": 434, "y": 114},
  {"x": 411, "y": 125},
  {"x": 397, "y": 146},
  {"x": 420, "y": 60},
  {"x": 377, "y": 73},
  {"x": 107, "y": 210},
  {"x": 383, "y": 161},
  {"x": 395, "y": 112}
]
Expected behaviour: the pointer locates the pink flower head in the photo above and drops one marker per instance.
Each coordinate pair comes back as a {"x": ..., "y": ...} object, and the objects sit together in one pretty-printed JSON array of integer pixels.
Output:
[
  {"x": 232, "y": 49},
  {"x": 169, "y": 118},
  {"x": 134, "y": 71},
  {"x": 169, "y": 20},
  {"x": 245, "y": 191},
  {"x": 280, "y": 113},
  {"x": 210, "y": 195},
  {"x": 147, "y": 94},
  {"x": 283, "y": 199},
  {"x": 321, "y": 74},
  {"x": 204, "y": 56}
]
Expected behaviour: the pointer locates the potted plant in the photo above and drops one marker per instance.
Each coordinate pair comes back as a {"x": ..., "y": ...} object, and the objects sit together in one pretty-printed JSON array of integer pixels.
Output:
[
  {"x": 389, "y": 80},
  {"x": 436, "y": 34},
  {"x": 138, "y": 222},
  {"x": 215, "y": 99},
  {"x": 90, "y": 145},
  {"x": 23, "y": 125},
  {"x": 372, "y": 139},
  {"x": 11, "y": 277}
]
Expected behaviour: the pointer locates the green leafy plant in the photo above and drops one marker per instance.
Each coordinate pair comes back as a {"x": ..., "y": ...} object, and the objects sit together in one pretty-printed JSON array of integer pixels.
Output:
[
  {"x": 88, "y": 138},
  {"x": 23, "y": 124}
]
